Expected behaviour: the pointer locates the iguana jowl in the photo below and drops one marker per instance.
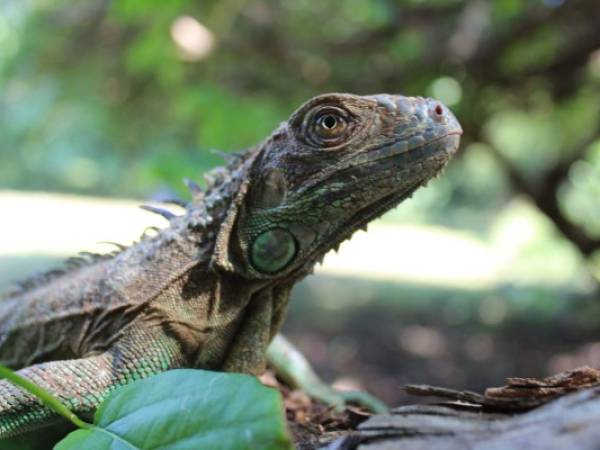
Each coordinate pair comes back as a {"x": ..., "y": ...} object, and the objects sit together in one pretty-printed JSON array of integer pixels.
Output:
[{"x": 211, "y": 290}]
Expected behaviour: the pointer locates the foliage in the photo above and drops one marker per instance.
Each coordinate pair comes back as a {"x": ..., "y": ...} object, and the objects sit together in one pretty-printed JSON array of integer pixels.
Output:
[
  {"x": 99, "y": 97},
  {"x": 179, "y": 409}
]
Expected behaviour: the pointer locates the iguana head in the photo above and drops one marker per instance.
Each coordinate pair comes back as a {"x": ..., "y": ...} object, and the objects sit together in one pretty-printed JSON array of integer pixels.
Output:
[{"x": 339, "y": 162}]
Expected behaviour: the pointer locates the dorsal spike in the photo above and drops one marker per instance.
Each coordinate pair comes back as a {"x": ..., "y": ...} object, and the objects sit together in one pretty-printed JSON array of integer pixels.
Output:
[
  {"x": 74, "y": 262},
  {"x": 194, "y": 188},
  {"x": 176, "y": 201},
  {"x": 121, "y": 247},
  {"x": 227, "y": 156},
  {"x": 160, "y": 211},
  {"x": 216, "y": 177},
  {"x": 150, "y": 232},
  {"x": 210, "y": 179}
]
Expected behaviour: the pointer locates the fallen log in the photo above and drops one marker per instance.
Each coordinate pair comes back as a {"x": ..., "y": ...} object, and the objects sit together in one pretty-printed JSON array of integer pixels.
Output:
[{"x": 507, "y": 418}]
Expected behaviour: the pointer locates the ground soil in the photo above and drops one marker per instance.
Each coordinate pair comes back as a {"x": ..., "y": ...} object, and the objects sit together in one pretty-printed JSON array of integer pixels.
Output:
[{"x": 382, "y": 345}]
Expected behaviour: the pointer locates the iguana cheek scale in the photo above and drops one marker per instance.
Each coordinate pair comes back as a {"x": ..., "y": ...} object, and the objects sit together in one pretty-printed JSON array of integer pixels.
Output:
[{"x": 211, "y": 290}]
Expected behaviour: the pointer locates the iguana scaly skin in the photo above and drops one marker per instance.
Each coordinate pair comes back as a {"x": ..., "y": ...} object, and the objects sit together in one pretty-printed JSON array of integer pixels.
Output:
[{"x": 211, "y": 290}]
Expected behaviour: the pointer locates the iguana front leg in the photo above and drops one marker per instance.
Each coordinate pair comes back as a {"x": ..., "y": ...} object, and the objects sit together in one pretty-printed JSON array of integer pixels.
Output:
[
  {"x": 291, "y": 365},
  {"x": 82, "y": 384}
]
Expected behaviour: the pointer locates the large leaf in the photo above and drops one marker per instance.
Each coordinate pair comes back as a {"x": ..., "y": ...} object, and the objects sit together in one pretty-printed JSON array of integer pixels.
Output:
[{"x": 187, "y": 409}]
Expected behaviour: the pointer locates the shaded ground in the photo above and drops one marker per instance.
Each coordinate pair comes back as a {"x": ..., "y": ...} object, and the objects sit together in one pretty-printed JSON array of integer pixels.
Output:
[
  {"x": 383, "y": 335},
  {"x": 557, "y": 412}
]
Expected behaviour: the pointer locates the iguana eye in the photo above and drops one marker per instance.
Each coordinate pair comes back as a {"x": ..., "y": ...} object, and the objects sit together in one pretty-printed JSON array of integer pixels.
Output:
[
  {"x": 326, "y": 125},
  {"x": 330, "y": 124},
  {"x": 273, "y": 250},
  {"x": 329, "y": 127}
]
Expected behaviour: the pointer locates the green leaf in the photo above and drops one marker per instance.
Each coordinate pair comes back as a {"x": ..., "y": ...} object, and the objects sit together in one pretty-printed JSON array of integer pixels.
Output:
[{"x": 187, "y": 409}]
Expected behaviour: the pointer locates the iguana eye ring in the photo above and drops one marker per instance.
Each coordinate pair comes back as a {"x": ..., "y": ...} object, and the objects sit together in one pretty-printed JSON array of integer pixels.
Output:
[
  {"x": 329, "y": 122},
  {"x": 328, "y": 126}
]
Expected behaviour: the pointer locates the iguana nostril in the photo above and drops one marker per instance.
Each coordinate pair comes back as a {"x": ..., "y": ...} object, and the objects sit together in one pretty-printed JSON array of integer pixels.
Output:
[{"x": 437, "y": 112}]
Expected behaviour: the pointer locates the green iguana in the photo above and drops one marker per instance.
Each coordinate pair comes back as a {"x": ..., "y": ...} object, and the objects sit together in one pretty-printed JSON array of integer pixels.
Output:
[{"x": 212, "y": 289}]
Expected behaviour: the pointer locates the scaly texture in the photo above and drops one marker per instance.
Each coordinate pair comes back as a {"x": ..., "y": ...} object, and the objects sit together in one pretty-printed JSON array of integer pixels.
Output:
[{"x": 211, "y": 290}]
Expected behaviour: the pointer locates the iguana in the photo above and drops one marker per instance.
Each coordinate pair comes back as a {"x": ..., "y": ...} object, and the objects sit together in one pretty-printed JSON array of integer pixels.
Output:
[{"x": 211, "y": 290}]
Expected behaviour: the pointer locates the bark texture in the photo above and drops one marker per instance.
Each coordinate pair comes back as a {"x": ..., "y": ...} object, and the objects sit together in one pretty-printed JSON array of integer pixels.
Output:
[{"x": 502, "y": 419}]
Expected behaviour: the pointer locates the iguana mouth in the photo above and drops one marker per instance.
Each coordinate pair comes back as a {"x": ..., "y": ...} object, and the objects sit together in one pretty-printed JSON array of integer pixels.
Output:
[{"x": 396, "y": 150}]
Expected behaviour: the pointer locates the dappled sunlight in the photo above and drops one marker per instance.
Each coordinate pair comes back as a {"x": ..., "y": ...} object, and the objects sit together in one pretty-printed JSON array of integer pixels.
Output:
[
  {"x": 522, "y": 247},
  {"x": 56, "y": 225},
  {"x": 492, "y": 311},
  {"x": 416, "y": 253},
  {"x": 530, "y": 249},
  {"x": 63, "y": 225},
  {"x": 194, "y": 41},
  {"x": 426, "y": 342},
  {"x": 479, "y": 347}
]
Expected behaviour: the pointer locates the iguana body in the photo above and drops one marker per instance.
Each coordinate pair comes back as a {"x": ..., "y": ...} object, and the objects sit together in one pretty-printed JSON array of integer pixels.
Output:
[{"x": 211, "y": 290}]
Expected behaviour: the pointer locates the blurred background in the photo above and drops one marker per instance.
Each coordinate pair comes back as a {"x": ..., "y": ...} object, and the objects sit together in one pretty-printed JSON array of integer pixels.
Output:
[{"x": 491, "y": 271}]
